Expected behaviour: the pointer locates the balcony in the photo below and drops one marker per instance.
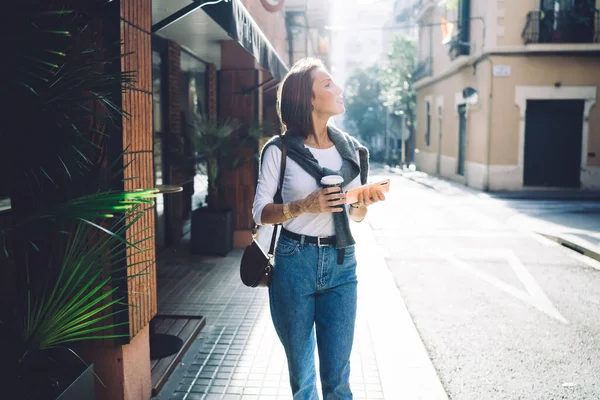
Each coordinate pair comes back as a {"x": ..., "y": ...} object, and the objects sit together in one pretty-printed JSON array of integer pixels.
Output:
[
  {"x": 421, "y": 7},
  {"x": 423, "y": 69},
  {"x": 568, "y": 26}
]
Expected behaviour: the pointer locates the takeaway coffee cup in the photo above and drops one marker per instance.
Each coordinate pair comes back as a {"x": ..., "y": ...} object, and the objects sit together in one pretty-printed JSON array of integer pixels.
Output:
[{"x": 332, "y": 181}]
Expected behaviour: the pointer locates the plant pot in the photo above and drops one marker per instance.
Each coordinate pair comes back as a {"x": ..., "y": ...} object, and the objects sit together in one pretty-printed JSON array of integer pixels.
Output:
[
  {"x": 83, "y": 387},
  {"x": 212, "y": 232},
  {"x": 63, "y": 382}
]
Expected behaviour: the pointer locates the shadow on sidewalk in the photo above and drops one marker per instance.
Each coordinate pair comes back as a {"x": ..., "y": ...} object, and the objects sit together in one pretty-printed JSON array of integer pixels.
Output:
[{"x": 238, "y": 355}]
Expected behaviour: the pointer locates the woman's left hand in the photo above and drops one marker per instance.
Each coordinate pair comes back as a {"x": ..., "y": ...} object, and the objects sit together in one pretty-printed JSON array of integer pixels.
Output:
[{"x": 370, "y": 196}]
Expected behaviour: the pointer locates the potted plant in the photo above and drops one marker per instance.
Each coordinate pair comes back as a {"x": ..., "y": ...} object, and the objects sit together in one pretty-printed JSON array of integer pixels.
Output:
[
  {"x": 220, "y": 147},
  {"x": 78, "y": 300}
]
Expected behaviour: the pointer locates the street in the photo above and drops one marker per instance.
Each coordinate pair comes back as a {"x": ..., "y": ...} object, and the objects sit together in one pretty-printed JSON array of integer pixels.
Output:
[{"x": 503, "y": 312}]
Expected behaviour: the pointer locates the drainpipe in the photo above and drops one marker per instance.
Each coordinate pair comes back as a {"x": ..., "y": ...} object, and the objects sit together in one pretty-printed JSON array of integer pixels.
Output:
[
  {"x": 431, "y": 50},
  {"x": 489, "y": 123}
]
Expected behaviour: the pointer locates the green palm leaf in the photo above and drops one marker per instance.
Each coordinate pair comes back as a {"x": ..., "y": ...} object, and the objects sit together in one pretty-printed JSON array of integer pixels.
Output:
[
  {"x": 80, "y": 304},
  {"x": 86, "y": 208},
  {"x": 68, "y": 91}
]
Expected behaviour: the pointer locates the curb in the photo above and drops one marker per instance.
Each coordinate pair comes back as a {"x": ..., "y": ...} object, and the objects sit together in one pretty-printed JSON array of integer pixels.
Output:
[
  {"x": 419, "y": 181},
  {"x": 405, "y": 367},
  {"x": 554, "y": 195},
  {"x": 565, "y": 195},
  {"x": 399, "y": 171},
  {"x": 576, "y": 244}
]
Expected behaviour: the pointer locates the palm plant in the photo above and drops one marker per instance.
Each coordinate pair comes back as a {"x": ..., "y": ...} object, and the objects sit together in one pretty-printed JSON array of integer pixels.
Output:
[
  {"x": 224, "y": 146},
  {"x": 71, "y": 248},
  {"x": 214, "y": 141},
  {"x": 83, "y": 292},
  {"x": 58, "y": 92},
  {"x": 220, "y": 148},
  {"x": 70, "y": 307}
]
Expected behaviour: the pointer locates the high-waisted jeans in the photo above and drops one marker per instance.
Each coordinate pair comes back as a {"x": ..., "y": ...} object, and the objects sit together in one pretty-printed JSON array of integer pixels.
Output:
[{"x": 310, "y": 289}]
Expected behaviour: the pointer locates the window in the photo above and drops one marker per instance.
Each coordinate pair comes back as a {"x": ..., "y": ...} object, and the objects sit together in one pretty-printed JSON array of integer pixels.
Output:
[
  {"x": 156, "y": 91},
  {"x": 428, "y": 123},
  {"x": 160, "y": 177},
  {"x": 194, "y": 92},
  {"x": 566, "y": 21},
  {"x": 563, "y": 5}
]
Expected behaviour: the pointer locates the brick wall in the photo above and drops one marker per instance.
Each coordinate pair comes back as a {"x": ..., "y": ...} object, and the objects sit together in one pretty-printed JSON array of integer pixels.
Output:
[
  {"x": 240, "y": 72},
  {"x": 135, "y": 28},
  {"x": 211, "y": 87}
]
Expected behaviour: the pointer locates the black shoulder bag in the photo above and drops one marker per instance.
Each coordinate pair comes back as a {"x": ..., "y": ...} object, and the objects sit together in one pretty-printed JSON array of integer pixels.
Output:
[{"x": 256, "y": 266}]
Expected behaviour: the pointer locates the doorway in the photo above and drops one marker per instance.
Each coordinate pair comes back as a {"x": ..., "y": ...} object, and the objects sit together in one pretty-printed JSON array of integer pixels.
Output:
[{"x": 553, "y": 143}]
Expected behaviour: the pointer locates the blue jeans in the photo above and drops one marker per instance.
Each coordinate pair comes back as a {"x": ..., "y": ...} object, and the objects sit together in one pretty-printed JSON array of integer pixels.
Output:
[{"x": 309, "y": 289}]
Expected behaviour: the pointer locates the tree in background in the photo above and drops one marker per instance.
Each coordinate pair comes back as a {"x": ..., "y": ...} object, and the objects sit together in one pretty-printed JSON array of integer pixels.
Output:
[
  {"x": 397, "y": 89},
  {"x": 365, "y": 113}
]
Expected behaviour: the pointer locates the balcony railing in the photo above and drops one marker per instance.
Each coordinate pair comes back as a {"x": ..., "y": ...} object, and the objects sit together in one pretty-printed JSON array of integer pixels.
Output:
[
  {"x": 423, "y": 69},
  {"x": 562, "y": 27},
  {"x": 421, "y": 6}
]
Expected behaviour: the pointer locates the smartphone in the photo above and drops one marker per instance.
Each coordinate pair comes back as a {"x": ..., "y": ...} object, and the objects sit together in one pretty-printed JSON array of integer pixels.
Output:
[{"x": 352, "y": 195}]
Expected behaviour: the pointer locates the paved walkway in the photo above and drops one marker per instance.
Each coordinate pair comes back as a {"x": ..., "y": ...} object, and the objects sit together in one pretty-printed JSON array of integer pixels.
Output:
[{"x": 238, "y": 355}]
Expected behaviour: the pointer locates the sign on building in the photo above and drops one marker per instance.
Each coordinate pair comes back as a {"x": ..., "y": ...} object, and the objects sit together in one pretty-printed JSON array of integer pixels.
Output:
[{"x": 501, "y": 70}]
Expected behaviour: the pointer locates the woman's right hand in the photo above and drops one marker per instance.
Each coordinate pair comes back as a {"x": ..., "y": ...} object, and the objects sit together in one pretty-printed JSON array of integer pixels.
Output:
[{"x": 324, "y": 200}]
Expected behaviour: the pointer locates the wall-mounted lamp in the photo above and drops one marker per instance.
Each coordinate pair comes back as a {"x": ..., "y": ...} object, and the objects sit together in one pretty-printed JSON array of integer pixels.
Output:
[{"x": 470, "y": 95}]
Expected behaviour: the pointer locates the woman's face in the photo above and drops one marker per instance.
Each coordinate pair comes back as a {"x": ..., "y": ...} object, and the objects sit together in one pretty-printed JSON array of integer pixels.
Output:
[{"x": 327, "y": 95}]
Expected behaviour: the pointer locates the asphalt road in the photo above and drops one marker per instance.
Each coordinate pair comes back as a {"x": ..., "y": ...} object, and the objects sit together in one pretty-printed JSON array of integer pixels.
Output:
[{"x": 503, "y": 313}]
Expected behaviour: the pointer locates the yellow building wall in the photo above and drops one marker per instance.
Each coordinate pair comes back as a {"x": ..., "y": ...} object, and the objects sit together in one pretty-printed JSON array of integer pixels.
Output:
[
  {"x": 450, "y": 90},
  {"x": 503, "y": 119},
  {"x": 537, "y": 70}
]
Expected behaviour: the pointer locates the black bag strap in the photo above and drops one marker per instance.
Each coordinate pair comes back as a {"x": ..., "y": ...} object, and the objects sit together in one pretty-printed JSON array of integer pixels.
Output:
[
  {"x": 278, "y": 199},
  {"x": 282, "y": 169},
  {"x": 279, "y": 189}
]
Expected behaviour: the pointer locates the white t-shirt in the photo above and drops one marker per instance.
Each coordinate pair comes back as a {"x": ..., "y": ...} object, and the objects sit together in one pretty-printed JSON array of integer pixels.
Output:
[{"x": 297, "y": 184}]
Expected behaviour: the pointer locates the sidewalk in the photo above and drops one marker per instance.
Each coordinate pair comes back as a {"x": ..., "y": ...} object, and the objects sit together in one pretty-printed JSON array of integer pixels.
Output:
[
  {"x": 442, "y": 184},
  {"x": 238, "y": 355}
]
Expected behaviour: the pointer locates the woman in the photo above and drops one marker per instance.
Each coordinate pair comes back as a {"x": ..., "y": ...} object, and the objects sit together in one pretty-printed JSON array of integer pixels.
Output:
[{"x": 314, "y": 275}]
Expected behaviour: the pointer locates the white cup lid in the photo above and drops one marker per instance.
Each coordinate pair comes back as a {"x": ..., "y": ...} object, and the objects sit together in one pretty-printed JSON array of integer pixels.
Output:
[{"x": 332, "y": 180}]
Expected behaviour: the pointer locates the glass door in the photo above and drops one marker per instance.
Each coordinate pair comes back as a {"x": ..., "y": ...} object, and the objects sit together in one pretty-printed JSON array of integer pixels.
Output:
[{"x": 160, "y": 167}]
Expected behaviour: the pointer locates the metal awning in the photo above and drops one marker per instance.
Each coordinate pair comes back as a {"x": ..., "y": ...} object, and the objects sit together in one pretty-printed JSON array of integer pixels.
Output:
[
  {"x": 201, "y": 29},
  {"x": 237, "y": 21}
]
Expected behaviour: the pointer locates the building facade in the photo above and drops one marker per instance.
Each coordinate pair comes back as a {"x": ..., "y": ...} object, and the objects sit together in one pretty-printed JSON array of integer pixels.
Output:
[
  {"x": 223, "y": 60},
  {"x": 506, "y": 93},
  {"x": 306, "y": 34}
]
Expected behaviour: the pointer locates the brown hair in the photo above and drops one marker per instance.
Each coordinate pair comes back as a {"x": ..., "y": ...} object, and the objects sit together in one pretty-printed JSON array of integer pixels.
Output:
[{"x": 294, "y": 98}]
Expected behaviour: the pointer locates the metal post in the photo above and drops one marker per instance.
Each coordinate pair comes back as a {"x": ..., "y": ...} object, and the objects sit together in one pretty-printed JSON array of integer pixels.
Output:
[
  {"x": 403, "y": 161},
  {"x": 387, "y": 137}
]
